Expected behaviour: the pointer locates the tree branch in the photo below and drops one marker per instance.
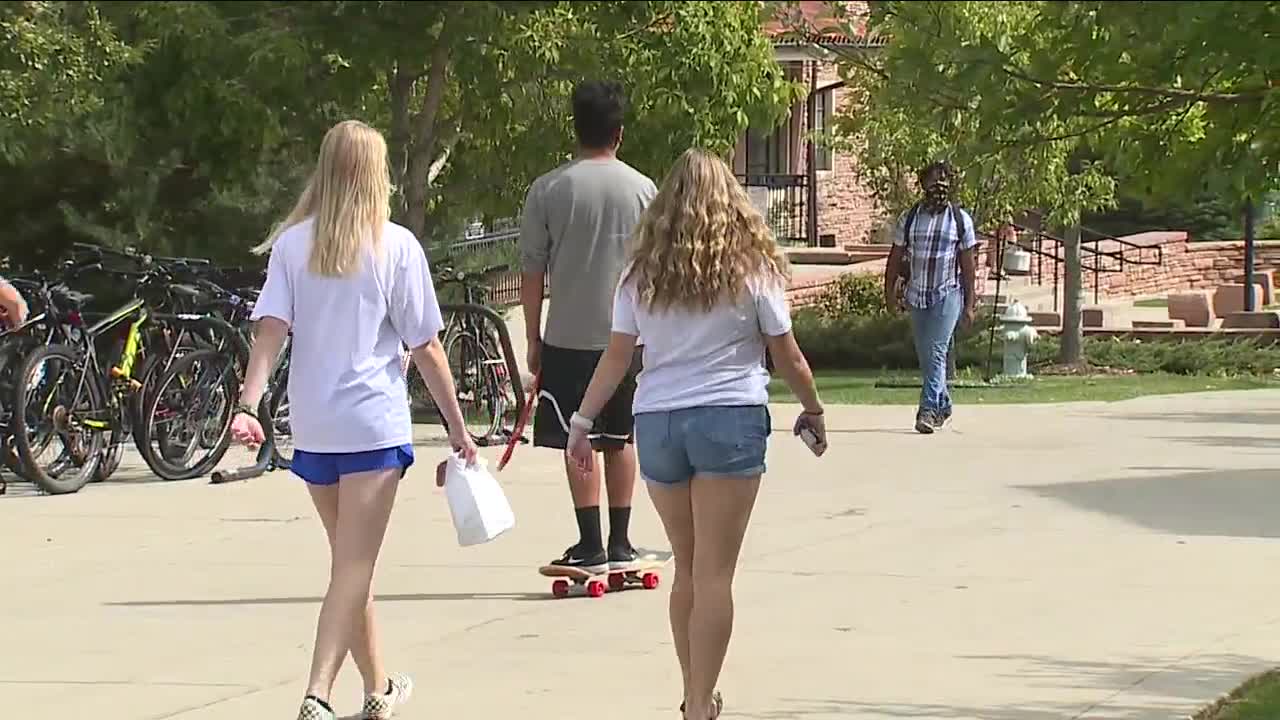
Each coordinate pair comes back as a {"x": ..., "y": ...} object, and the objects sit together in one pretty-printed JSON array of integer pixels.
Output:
[
  {"x": 1181, "y": 93},
  {"x": 653, "y": 22},
  {"x": 447, "y": 143},
  {"x": 424, "y": 123}
]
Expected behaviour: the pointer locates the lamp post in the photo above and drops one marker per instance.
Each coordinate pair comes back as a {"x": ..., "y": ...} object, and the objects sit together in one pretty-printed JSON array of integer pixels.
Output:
[{"x": 1248, "y": 255}]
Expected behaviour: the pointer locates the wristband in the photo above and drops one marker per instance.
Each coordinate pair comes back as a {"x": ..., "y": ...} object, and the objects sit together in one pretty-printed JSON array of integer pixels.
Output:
[
  {"x": 808, "y": 412},
  {"x": 243, "y": 409},
  {"x": 581, "y": 423}
]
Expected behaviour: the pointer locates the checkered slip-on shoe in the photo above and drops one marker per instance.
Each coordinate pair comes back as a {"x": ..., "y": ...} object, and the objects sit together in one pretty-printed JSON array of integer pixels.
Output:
[
  {"x": 383, "y": 706},
  {"x": 313, "y": 709}
]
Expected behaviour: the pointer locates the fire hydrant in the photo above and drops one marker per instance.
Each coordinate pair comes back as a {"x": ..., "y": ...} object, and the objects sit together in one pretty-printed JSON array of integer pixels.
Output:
[{"x": 1018, "y": 337}]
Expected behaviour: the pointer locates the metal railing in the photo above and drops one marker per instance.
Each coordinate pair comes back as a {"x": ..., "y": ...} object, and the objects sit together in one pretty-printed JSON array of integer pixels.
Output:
[
  {"x": 784, "y": 201},
  {"x": 1094, "y": 259}
]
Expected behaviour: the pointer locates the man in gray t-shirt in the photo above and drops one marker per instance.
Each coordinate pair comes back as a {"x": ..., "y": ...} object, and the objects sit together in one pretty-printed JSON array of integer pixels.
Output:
[{"x": 577, "y": 226}]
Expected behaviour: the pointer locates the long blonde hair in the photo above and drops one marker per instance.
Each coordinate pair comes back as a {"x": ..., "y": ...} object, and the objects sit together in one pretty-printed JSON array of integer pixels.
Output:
[
  {"x": 701, "y": 240},
  {"x": 349, "y": 197}
]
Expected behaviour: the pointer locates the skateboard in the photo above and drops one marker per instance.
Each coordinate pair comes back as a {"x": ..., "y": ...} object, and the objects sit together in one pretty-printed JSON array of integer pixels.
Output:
[
  {"x": 643, "y": 573},
  {"x": 517, "y": 433}
]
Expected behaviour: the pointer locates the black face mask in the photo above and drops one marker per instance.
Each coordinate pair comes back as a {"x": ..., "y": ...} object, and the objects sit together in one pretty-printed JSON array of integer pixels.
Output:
[{"x": 937, "y": 195}]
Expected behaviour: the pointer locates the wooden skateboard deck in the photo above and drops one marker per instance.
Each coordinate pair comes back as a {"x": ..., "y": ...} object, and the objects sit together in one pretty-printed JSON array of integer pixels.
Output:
[{"x": 644, "y": 572}]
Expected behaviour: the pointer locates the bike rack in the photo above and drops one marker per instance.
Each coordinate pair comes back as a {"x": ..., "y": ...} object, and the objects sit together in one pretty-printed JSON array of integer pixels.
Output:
[
  {"x": 264, "y": 463},
  {"x": 262, "y": 466},
  {"x": 504, "y": 337}
]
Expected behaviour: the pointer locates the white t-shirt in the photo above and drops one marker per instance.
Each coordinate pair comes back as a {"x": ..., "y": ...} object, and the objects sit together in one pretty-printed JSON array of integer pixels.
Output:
[
  {"x": 699, "y": 359},
  {"x": 346, "y": 390}
]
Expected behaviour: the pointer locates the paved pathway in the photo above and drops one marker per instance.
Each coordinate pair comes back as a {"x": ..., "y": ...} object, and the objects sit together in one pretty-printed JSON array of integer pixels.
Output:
[{"x": 1037, "y": 562}]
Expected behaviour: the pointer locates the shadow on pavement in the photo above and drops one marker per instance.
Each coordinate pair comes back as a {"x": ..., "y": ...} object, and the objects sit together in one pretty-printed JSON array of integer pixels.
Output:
[
  {"x": 1229, "y": 441},
  {"x": 1223, "y": 503},
  {"x": 1212, "y": 675},
  {"x": 1243, "y": 417},
  {"x": 405, "y": 597}
]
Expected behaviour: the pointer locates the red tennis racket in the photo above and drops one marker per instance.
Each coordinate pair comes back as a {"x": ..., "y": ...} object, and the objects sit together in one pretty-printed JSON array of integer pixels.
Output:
[{"x": 517, "y": 434}]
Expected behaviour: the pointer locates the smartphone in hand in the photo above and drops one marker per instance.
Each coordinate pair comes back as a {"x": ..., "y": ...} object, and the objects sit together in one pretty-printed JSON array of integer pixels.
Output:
[{"x": 810, "y": 438}]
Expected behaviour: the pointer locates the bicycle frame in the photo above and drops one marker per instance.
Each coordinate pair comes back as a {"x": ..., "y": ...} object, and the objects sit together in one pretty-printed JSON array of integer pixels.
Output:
[{"x": 123, "y": 371}]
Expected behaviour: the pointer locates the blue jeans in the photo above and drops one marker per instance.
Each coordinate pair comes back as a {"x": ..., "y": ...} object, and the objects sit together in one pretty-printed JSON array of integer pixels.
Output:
[
  {"x": 727, "y": 441},
  {"x": 933, "y": 328}
]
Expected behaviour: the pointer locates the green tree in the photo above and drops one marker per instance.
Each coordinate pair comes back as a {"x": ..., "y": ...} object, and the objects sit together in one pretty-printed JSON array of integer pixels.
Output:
[
  {"x": 206, "y": 136},
  {"x": 475, "y": 95},
  {"x": 55, "y": 58}
]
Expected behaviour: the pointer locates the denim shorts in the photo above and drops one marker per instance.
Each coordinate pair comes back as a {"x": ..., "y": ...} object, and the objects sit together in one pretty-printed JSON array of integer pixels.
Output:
[
  {"x": 326, "y": 468},
  {"x": 674, "y": 446}
]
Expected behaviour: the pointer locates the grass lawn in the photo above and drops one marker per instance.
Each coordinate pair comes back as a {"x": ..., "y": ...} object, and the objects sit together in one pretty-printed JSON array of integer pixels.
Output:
[
  {"x": 859, "y": 387},
  {"x": 1152, "y": 303},
  {"x": 1257, "y": 699}
]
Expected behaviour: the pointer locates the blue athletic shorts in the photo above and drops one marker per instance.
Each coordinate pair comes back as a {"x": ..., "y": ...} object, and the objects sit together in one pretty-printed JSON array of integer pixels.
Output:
[
  {"x": 326, "y": 468},
  {"x": 674, "y": 446}
]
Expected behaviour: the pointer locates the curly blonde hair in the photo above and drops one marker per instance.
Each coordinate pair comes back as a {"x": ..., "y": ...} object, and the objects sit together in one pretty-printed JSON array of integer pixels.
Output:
[{"x": 701, "y": 240}]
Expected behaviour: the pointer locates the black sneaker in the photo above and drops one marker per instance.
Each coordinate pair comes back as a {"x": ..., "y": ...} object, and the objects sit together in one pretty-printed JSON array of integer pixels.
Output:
[
  {"x": 926, "y": 422},
  {"x": 622, "y": 558},
  {"x": 595, "y": 563},
  {"x": 940, "y": 419}
]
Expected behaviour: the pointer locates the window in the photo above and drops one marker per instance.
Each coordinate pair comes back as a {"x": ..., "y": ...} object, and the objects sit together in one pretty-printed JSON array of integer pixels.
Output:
[
  {"x": 767, "y": 154},
  {"x": 822, "y": 111}
]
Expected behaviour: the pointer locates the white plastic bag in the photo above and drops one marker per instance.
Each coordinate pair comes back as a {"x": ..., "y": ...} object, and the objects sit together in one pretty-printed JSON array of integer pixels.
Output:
[{"x": 479, "y": 507}]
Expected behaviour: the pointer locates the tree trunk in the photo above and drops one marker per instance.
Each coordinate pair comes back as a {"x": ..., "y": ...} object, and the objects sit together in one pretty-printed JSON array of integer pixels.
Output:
[
  {"x": 423, "y": 140},
  {"x": 400, "y": 83},
  {"x": 1072, "y": 300}
]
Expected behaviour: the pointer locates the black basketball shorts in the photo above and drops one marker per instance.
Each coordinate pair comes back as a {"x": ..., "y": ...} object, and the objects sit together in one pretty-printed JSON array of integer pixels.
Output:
[{"x": 565, "y": 376}]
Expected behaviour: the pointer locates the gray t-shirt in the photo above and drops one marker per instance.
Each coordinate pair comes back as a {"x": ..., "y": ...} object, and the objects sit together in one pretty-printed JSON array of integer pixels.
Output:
[{"x": 577, "y": 226}]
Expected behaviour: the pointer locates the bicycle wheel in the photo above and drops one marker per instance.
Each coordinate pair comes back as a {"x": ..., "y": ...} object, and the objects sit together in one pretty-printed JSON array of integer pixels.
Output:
[
  {"x": 278, "y": 429},
  {"x": 186, "y": 427},
  {"x": 422, "y": 407},
  {"x": 14, "y": 350},
  {"x": 477, "y": 386},
  {"x": 129, "y": 418},
  {"x": 58, "y": 403}
]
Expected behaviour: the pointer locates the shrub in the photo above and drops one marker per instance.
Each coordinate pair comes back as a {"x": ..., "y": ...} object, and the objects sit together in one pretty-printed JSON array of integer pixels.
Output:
[
  {"x": 853, "y": 294},
  {"x": 884, "y": 342},
  {"x": 880, "y": 341}
]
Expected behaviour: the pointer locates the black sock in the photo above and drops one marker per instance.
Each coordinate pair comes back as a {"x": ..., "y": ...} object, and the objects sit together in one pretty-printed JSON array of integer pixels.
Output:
[
  {"x": 323, "y": 704},
  {"x": 619, "y": 524},
  {"x": 390, "y": 688},
  {"x": 589, "y": 530}
]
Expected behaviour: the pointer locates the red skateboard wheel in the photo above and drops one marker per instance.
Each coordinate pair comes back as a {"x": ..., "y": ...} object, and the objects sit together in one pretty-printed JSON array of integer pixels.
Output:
[
  {"x": 595, "y": 589},
  {"x": 560, "y": 588},
  {"x": 650, "y": 581},
  {"x": 617, "y": 581}
]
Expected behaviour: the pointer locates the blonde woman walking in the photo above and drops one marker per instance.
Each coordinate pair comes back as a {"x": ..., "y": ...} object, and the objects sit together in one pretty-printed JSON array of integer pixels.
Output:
[
  {"x": 706, "y": 290},
  {"x": 353, "y": 288}
]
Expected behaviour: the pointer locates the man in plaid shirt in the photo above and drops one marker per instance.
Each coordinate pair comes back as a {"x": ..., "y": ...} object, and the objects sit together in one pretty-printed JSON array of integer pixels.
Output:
[{"x": 933, "y": 258}]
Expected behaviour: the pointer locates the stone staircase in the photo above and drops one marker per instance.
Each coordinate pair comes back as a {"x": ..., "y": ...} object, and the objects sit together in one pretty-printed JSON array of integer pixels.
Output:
[{"x": 1038, "y": 300}]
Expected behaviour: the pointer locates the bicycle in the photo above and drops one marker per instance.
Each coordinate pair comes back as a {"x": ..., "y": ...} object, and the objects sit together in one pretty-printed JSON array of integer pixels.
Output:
[
  {"x": 472, "y": 343},
  {"x": 65, "y": 391}
]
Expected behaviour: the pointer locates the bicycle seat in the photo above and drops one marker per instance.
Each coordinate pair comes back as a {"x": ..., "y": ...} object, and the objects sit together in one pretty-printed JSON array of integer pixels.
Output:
[{"x": 74, "y": 298}]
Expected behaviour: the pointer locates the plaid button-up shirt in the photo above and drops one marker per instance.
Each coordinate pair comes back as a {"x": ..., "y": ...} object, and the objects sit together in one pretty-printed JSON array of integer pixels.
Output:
[{"x": 933, "y": 246}]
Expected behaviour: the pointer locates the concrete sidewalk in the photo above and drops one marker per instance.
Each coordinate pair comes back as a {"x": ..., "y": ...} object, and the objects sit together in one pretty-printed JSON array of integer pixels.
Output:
[{"x": 1035, "y": 562}]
